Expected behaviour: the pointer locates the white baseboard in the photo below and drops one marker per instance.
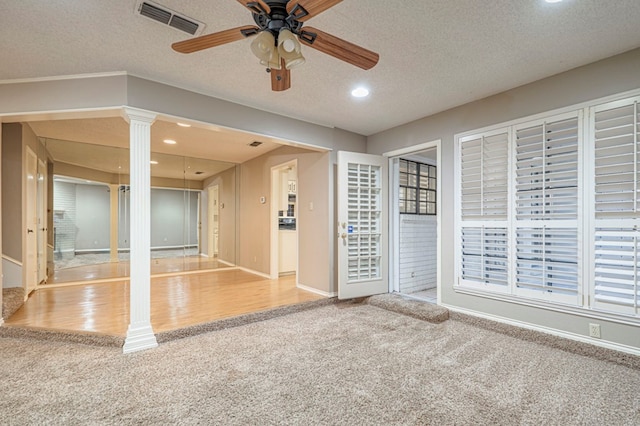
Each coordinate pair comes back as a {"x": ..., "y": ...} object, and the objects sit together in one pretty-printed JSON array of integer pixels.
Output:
[
  {"x": 555, "y": 332},
  {"x": 251, "y": 271},
  {"x": 316, "y": 291}
]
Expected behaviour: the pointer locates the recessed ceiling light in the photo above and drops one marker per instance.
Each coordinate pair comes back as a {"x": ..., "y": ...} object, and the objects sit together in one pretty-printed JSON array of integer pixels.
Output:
[
  {"x": 169, "y": 141},
  {"x": 553, "y": 1},
  {"x": 184, "y": 125},
  {"x": 360, "y": 92},
  {"x": 153, "y": 162}
]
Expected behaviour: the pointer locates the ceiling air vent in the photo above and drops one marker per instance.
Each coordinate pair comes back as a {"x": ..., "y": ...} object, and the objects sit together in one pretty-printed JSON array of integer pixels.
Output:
[
  {"x": 255, "y": 143},
  {"x": 169, "y": 17}
]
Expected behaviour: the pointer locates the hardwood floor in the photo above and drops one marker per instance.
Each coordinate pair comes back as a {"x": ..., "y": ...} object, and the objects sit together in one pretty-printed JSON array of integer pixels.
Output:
[
  {"x": 108, "y": 270},
  {"x": 176, "y": 302}
]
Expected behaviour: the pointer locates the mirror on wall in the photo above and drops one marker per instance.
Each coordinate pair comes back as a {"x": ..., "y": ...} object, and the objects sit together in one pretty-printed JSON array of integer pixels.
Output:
[{"x": 193, "y": 212}]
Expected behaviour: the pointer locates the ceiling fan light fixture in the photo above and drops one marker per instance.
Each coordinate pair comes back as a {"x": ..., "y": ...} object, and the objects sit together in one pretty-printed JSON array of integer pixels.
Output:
[
  {"x": 263, "y": 46},
  {"x": 274, "y": 60},
  {"x": 289, "y": 49}
]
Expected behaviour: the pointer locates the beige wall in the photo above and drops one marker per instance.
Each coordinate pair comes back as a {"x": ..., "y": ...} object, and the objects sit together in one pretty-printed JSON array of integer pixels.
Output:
[
  {"x": 12, "y": 190},
  {"x": 227, "y": 199},
  {"x": 603, "y": 78},
  {"x": 313, "y": 225}
]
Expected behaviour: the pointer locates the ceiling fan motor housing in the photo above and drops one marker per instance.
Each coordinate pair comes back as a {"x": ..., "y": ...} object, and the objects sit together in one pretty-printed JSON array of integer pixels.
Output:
[{"x": 278, "y": 18}]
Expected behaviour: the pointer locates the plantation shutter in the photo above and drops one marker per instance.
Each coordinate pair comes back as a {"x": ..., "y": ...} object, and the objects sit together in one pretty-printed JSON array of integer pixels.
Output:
[
  {"x": 547, "y": 209},
  {"x": 616, "y": 145},
  {"x": 484, "y": 208},
  {"x": 364, "y": 225}
]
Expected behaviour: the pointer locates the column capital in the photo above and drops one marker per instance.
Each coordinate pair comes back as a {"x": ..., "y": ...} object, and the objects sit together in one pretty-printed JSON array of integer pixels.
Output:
[{"x": 129, "y": 114}]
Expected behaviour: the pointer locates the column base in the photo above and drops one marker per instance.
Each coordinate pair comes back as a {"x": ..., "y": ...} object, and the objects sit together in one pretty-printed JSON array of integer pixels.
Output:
[{"x": 139, "y": 339}]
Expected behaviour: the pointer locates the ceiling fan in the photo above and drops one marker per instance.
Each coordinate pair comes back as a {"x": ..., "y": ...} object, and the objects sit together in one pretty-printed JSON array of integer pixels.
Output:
[{"x": 278, "y": 22}]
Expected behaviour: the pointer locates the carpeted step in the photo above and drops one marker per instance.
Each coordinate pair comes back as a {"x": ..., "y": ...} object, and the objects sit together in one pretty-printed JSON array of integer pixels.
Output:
[
  {"x": 409, "y": 306},
  {"x": 12, "y": 300}
]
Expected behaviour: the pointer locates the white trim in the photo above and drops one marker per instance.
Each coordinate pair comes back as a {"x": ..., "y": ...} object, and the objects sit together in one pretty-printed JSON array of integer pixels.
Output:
[
  {"x": 63, "y": 77},
  {"x": 225, "y": 262},
  {"x": 12, "y": 260},
  {"x": 412, "y": 149},
  {"x": 251, "y": 271},
  {"x": 274, "y": 255},
  {"x": 393, "y": 212},
  {"x": 316, "y": 291},
  {"x": 549, "y": 306},
  {"x": 139, "y": 339},
  {"x": 552, "y": 331}
]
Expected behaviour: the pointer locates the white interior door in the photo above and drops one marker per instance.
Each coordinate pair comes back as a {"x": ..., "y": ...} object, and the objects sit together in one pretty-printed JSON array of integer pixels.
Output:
[
  {"x": 362, "y": 225},
  {"x": 31, "y": 242}
]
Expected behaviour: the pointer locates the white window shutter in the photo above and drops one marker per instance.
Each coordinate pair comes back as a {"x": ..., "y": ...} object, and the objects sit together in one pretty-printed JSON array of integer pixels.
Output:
[
  {"x": 616, "y": 168},
  {"x": 616, "y": 162},
  {"x": 547, "y": 171},
  {"x": 484, "y": 201},
  {"x": 547, "y": 209}
]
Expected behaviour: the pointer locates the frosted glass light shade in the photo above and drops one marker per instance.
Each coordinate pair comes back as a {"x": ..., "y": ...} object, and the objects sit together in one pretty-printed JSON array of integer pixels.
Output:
[
  {"x": 289, "y": 49},
  {"x": 263, "y": 46}
]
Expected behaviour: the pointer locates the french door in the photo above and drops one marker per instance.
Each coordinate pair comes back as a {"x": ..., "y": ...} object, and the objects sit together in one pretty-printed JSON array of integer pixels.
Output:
[{"x": 362, "y": 225}]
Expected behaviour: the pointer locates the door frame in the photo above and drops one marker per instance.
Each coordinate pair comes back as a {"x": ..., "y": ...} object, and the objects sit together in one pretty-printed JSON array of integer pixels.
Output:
[
  {"x": 213, "y": 222},
  {"x": 41, "y": 203},
  {"x": 30, "y": 227},
  {"x": 274, "y": 251},
  {"x": 394, "y": 214}
]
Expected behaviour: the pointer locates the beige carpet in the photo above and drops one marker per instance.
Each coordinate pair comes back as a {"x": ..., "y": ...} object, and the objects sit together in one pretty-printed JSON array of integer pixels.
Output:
[
  {"x": 12, "y": 300},
  {"x": 351, "y": 364}
]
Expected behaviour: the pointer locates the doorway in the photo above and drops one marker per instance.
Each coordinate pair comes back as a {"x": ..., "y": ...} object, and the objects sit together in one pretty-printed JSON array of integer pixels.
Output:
[
  {"x": 415, "y": 218},
  {"x": 284, "y": 215}
]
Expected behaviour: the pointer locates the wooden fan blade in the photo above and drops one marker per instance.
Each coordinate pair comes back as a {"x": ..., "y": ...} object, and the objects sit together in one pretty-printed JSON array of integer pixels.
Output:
[
  {"x": 264, "y": 5},
  {"x": 341, "y": 49},
  {"x": 212, "y": 40},
  {"x": 280, "y": 79},
  {"x": 314, "y": 7}
]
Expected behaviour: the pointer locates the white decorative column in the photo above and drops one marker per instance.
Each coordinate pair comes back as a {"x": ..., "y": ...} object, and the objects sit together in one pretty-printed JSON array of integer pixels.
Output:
[
  {"x": 140, "y": 334},
  {"x": 114, "y": 190}
]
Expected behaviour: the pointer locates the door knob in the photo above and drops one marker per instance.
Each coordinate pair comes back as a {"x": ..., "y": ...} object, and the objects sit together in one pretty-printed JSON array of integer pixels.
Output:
[{"x": 29, "y": 231}]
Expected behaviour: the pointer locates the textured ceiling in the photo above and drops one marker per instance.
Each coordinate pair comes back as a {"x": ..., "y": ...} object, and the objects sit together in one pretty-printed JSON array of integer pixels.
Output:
[{"x": 434, "y": 54}]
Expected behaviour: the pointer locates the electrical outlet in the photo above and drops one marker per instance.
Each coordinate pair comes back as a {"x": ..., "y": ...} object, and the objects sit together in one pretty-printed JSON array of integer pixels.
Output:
[{"x": 594, "y": 330}]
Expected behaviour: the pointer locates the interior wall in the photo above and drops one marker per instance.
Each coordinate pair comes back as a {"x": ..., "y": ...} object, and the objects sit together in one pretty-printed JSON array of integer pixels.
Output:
[
  {"x": 226, "y": 182},
  {"x": 312, "y": 218},
  {"x": 12, "y": 191},
  {"x": 92, "y": 213},
  {"x": 173, "y": 218},
  {"x": 607, "y": 77}
]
